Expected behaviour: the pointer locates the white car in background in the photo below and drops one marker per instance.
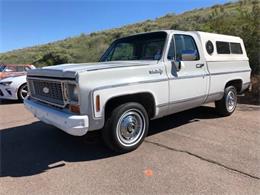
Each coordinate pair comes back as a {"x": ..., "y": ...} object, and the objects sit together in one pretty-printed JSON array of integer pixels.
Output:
[{"x": 13, "y": 88}]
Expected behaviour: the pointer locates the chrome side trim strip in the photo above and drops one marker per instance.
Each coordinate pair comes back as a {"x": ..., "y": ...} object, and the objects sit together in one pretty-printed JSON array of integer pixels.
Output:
[
  {"x": 188, "y": 77},
  {"x": 181, "y": 101},
  {"x": 129, "y": 84},
  {"x": 244, "y": 60},
  {"x": 231, "y": 72},
  {"x": 162, "y": 105},
  {"x": 216, "y": 93},
  {"x": 188, "y": 99},
  {"x": 211, "y": 74}
]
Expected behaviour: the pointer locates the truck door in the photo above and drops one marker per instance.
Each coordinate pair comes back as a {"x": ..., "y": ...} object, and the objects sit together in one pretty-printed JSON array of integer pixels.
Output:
[{"x": 187, "y": 72}]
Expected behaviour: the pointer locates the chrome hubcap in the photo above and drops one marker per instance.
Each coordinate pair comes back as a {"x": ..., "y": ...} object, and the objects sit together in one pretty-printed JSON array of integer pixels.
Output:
[
  {"x": 231, "y": 101},
  {"x": 130, "y": 127},
  {"x": 24, "y": 92}
]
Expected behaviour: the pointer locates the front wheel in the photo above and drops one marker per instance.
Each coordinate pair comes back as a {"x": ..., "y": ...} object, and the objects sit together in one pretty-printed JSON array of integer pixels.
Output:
[
  {"x": 126, "y": 127},
  {"x": 22, "y": 92},
  {"x": 227, "y": 105}
]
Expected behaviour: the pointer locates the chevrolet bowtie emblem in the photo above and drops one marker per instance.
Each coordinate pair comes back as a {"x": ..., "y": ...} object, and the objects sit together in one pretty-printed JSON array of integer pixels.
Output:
[{"x": 46, "y": 90}]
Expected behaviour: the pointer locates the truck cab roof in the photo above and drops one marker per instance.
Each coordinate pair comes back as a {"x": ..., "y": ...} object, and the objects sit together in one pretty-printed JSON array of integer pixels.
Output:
[{"x": 216, "y": 47}]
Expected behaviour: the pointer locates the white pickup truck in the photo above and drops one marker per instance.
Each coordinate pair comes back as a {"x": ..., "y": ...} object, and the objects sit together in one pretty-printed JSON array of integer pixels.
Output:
[{"x": 140, "y": 77}]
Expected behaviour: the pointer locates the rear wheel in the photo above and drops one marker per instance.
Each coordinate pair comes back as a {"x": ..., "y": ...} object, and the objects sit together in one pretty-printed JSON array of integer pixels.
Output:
[
  {"x": 126, "y": 127},
  {"x": 22, "y": 92},
  {"x": 227, "y": 105}
]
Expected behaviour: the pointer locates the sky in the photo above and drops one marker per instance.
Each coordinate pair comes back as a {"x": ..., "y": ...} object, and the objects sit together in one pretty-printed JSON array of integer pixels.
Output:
[{"x": 25, "y": 23}]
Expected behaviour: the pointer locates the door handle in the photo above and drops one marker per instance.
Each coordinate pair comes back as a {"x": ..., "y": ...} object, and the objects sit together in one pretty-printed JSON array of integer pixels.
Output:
[
  {"x": 156, "y": 71},
  {"x": 199, "y": 65}
]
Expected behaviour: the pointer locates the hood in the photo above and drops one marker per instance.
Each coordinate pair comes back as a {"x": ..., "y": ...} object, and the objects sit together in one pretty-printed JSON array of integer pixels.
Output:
[
  {"x": 71, "y": 70},
  {"x": 4, "y": 75}
]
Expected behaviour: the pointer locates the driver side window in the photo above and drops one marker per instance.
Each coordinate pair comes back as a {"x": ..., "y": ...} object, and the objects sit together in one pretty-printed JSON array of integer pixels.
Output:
[{"x": 182, "y": 45}]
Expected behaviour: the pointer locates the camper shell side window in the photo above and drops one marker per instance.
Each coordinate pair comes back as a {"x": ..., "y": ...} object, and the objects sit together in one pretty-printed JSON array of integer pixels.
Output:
[{"x": 228, "y": 47}]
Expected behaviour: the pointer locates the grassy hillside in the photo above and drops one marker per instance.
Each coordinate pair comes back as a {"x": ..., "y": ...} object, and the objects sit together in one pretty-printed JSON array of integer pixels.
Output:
[{"x": 239, "y": 18}]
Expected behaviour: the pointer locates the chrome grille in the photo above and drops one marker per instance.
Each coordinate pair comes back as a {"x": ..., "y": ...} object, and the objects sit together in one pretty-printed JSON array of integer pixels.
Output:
[{"x": 47, "y": 91}]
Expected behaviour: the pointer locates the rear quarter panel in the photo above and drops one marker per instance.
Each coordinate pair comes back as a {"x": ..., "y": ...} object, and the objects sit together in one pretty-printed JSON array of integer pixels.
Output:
[{"x": 221, "y": 72}]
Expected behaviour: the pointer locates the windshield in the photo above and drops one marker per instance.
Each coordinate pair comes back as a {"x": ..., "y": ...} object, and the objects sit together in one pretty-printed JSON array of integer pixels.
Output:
[
  {"x": 2, "y": 67},
  {"x": 138, "y": 47}
]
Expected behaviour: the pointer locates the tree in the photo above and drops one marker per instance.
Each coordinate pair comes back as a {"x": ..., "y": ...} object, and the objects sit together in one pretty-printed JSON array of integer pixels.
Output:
[{"x": 54, "y": 58}]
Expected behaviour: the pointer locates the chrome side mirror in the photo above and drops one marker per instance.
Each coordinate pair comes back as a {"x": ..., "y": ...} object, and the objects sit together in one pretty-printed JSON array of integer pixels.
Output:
[{"x": 178, "y": 65}]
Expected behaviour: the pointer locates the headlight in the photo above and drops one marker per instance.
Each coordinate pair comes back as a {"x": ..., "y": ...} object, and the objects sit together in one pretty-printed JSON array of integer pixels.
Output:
[
  {"x": 73, "y": 92},
  {"x": 6, "y": 83}
]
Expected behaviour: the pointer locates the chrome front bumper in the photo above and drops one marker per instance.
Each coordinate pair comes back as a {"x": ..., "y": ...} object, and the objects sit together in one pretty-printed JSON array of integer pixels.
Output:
[{"x": 76, "y": 125}]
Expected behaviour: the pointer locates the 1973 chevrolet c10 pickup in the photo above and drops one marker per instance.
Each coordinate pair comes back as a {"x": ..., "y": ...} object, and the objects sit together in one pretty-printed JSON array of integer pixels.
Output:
[{"x": 140, "y": 77}]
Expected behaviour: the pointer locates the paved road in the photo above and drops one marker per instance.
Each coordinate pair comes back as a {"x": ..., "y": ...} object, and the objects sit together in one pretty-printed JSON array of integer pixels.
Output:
[{"x": 190, "y": 152}]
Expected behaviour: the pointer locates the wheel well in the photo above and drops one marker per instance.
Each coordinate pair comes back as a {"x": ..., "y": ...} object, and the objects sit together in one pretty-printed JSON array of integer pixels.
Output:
[
  {"x": 236, "y": 83},
  {"x": 145, "y": 99}
]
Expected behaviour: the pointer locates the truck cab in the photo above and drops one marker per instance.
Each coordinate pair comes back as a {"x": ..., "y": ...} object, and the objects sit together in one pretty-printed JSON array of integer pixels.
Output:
[{"x": 140, "y": 78}]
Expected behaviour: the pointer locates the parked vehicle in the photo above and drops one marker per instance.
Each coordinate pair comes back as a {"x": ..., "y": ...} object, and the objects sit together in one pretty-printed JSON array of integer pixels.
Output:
[
  {"x": 11, "y": 70},
  {"x": 13, "y": 88},
  {"x": 140, "y": 77}
]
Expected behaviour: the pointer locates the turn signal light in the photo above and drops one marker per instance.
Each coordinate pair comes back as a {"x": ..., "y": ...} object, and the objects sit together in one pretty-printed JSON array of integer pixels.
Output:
[
  {"x": 97, "y": 103},
  {"x": 74, "y": 108}
]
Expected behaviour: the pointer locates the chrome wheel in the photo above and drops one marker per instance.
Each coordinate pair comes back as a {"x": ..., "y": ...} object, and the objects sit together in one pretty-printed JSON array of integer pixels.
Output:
[
  {"x": 126, "y": 127},
  {"x": 23, "y": 92},
  {"x": 130, "y": 127},
  {"x": 231, "y": 101}
]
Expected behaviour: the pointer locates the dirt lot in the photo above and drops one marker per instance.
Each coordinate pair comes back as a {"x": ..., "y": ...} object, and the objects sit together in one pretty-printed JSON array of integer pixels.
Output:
[{"x": 191, "y": 152}]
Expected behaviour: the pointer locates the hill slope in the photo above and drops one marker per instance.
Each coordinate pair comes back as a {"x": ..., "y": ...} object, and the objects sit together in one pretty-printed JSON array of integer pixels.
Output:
[{"x": 239, "y": 18}]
